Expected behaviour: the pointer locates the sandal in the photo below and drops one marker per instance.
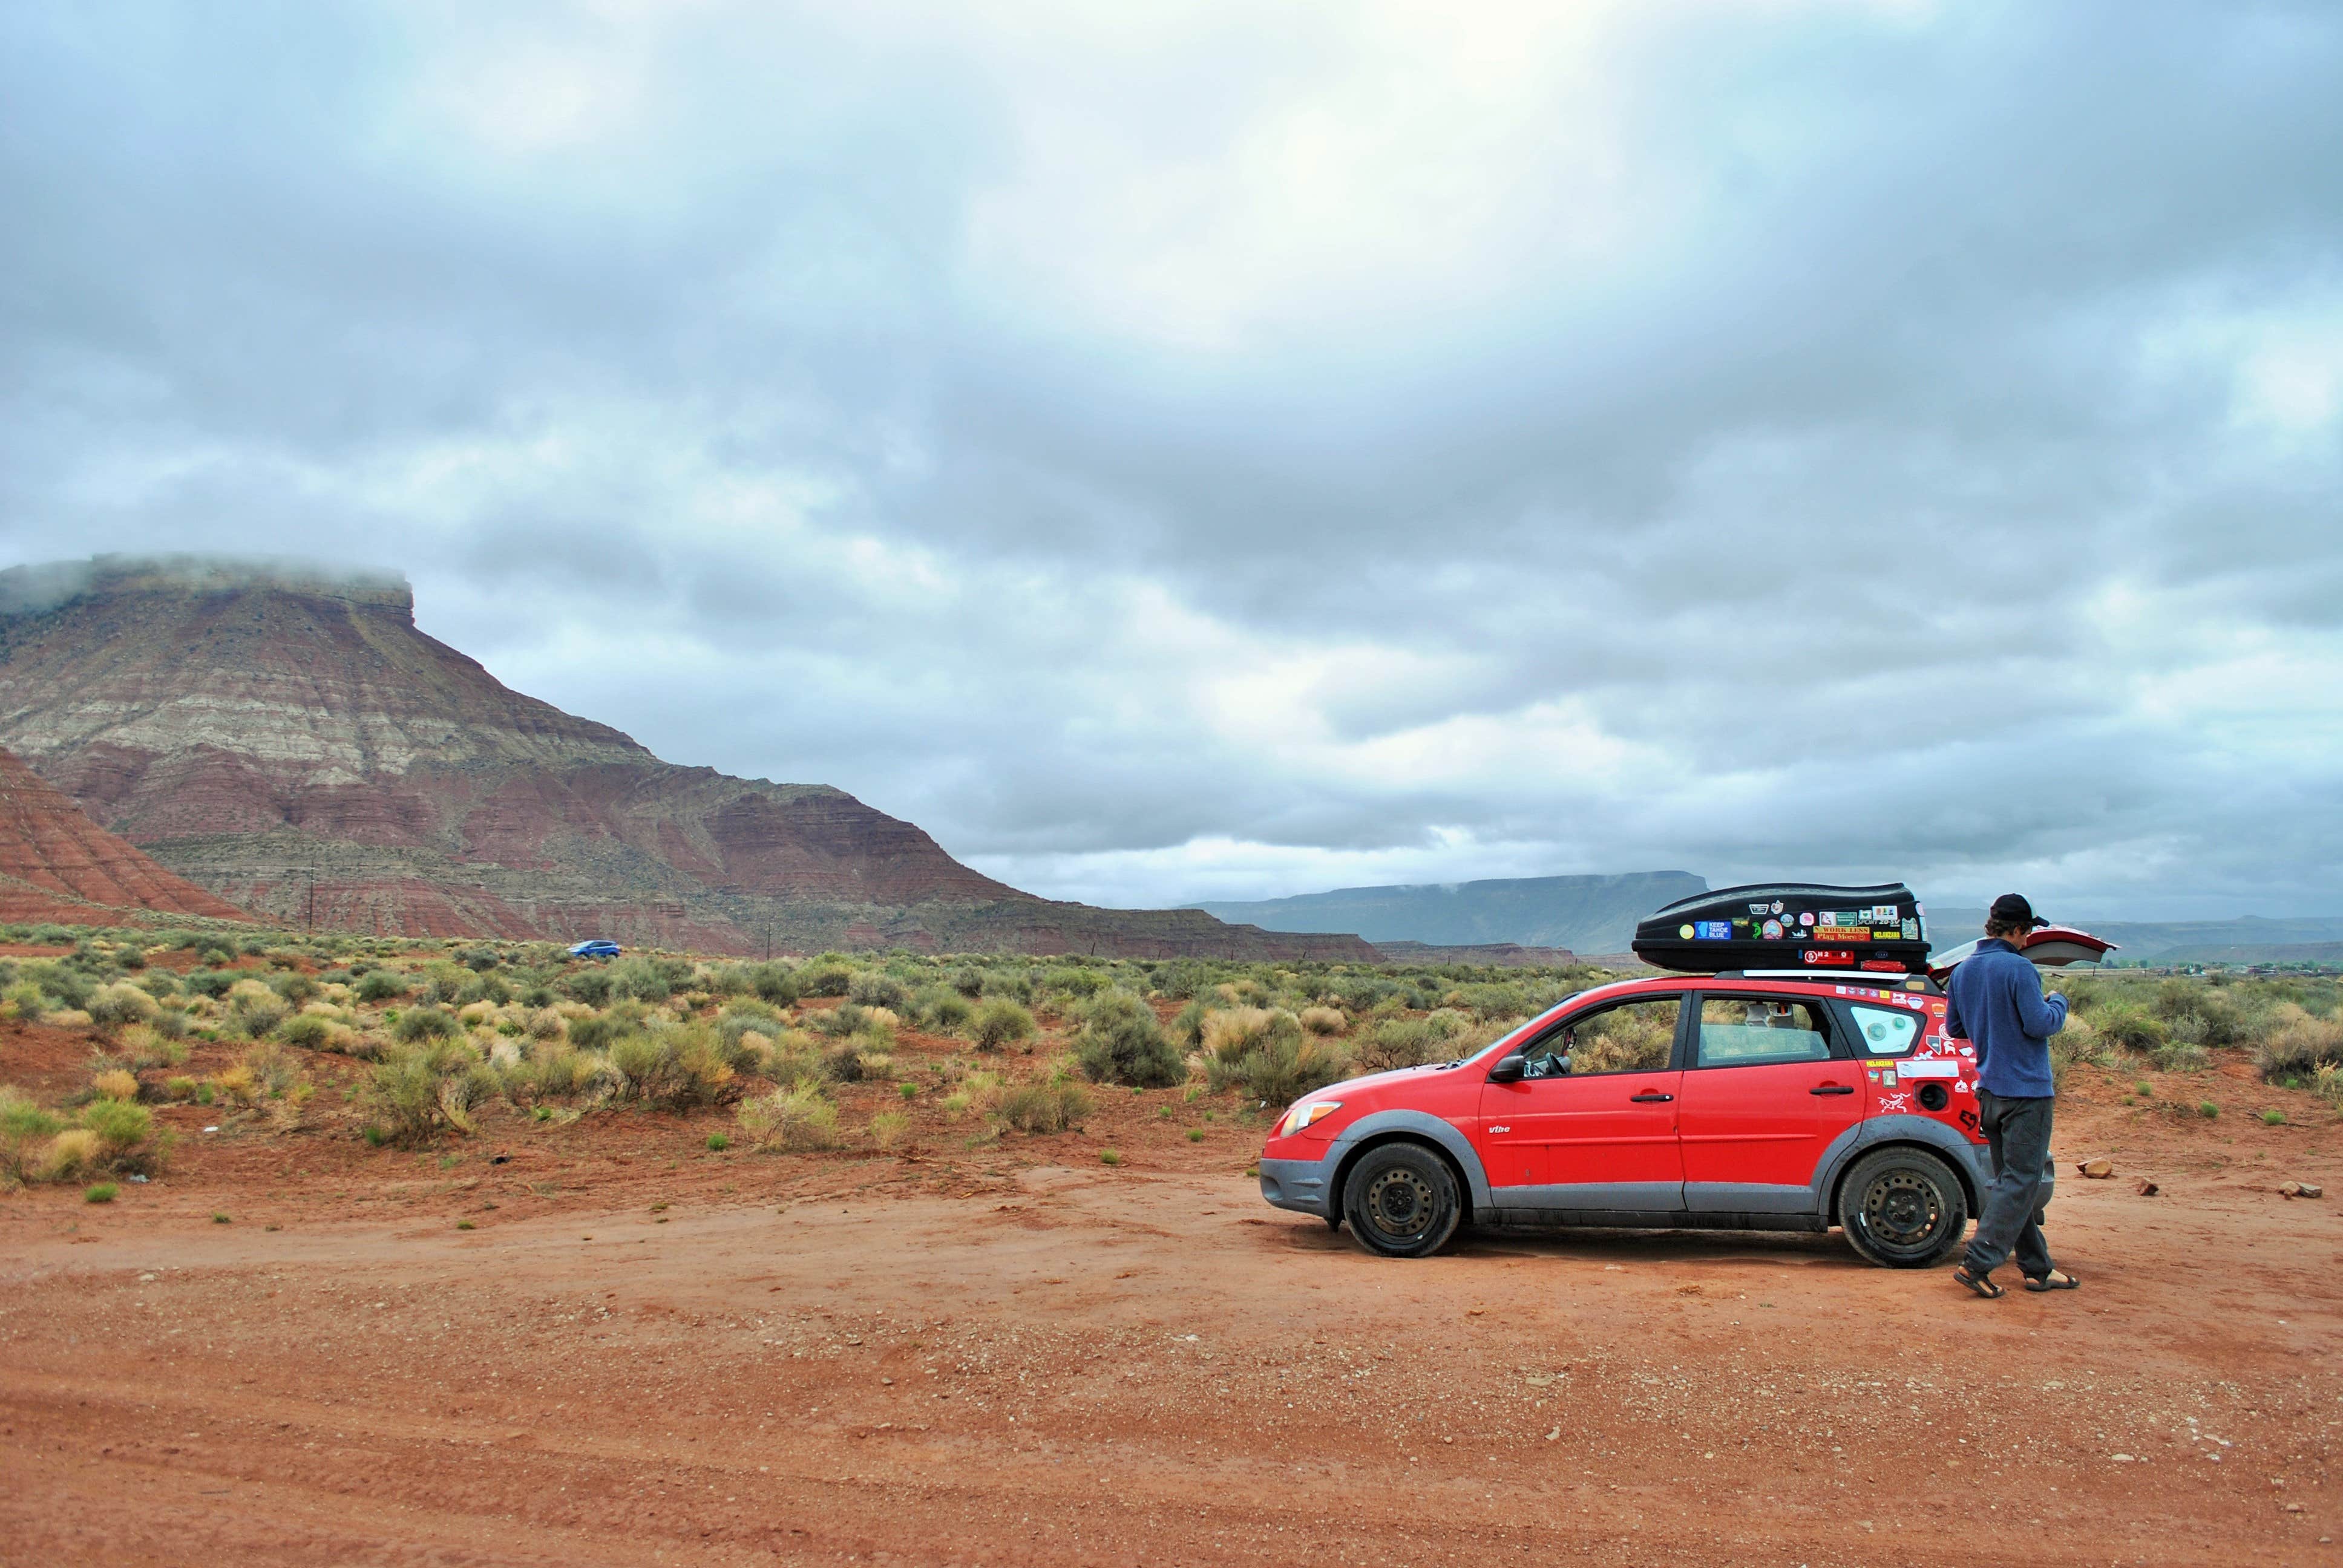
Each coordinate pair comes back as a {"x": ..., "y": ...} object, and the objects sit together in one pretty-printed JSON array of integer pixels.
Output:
[
  {"x": 2055, "y": 1280},
  {"x": 1980, "y": 1285}
]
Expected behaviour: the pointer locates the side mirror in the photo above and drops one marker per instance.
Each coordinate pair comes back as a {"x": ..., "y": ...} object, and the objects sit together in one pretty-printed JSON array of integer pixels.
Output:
[{"x": 1508, "y": 1068}]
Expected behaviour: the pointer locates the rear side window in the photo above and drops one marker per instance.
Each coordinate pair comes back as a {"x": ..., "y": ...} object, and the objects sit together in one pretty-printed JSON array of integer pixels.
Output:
[
  {"x": 1750, "y": 1031},
  {"x": 1886, "y": 1031}
]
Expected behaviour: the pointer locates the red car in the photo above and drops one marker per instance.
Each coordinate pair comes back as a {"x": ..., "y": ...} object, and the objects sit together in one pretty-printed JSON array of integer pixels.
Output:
[{"x": 1747, "y": 1099}]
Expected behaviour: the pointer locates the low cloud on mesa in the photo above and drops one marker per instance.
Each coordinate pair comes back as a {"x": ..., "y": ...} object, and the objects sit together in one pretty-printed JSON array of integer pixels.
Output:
[{"x": 1203, "y": 452}]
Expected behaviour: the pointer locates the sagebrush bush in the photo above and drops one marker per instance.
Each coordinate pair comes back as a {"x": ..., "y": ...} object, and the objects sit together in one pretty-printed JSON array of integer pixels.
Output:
[
  {"x": 417, "y": 1093},
  {"x": 1044, "y": 1106},
  {"x": 943, "y": 1011},
  {"x": 794, "y": 1118},
  {"x": 1276, "y": 1064},
  {"x": 308, "y": 1031},
  {"x": 2297, "y": 1045},
  {"x": 888, "y": 1129},
  {"x": 25, "y": 1131},
  {"x": 968, "y": 982},
  {"x": 115, "y": 1084},
  {"x": 828, "y": 975},
  {"x": 1323, "y": 1020},
  {"x": 1121, "y": 1042},
  {"x": 380, "y": 986},
  {"x": 1228, "y": 1032},
  {"x": 2129, "y": 1027},
  {"x": 1001, "y": 1023},
  {"x": 418, "y": 1024},
  {"x": 118, "y": 1005},
  {"x": 674, "y": 1068},
  {"x": 876, "y": 987}
]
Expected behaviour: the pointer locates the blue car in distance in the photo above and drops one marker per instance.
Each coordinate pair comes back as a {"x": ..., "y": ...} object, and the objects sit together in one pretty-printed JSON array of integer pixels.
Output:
[{"x": 598, "y": 947}]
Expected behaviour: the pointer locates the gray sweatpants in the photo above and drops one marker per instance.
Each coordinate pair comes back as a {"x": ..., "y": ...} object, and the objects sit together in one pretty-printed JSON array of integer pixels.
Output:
[{"x": 2018, "y": 1135}]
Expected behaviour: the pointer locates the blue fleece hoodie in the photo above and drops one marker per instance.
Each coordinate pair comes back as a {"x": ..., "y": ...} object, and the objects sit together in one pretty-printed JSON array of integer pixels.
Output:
[{"x": 1996, "y": 1000}]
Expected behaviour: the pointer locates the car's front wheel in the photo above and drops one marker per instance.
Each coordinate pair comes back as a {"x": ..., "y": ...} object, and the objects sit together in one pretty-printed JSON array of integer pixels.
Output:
[
  {"x": 1401, "y": 1200},
  {"x": 1903, "y": 1208}
]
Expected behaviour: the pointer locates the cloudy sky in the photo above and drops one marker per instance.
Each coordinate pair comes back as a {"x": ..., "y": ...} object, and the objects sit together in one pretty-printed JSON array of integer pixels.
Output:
[{"x": 1227, "y": 450}]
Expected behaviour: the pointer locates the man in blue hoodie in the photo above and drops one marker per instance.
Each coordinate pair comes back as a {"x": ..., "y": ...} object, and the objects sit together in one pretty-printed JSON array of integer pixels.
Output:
[{"x": 1996, "y": 1001}]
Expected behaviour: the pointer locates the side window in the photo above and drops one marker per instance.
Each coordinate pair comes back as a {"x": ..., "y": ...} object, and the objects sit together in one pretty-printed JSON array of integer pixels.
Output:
[
  {"x": 1748, "y": 1031},
  {"x": 1886, "y": 1031},
  {"x": 1634, "y": 1036}
]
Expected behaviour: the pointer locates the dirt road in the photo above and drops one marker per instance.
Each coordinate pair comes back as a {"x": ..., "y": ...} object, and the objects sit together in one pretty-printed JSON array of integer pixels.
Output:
[{"x": 1000, "y": 1356}]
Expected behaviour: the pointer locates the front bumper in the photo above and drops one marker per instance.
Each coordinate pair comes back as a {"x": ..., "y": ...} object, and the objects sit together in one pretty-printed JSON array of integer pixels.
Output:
[{"x": 1300, "y": 1185}]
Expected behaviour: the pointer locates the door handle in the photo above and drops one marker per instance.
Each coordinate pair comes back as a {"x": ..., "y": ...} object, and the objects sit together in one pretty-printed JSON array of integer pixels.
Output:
[
  {"x": 1832, "y": 1089},
  {"x": 1650, "y": 1099}
]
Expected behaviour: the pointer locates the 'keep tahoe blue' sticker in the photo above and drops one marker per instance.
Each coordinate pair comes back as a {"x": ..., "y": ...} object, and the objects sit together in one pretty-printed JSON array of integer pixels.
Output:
[{"x": 1711, "y": 931}]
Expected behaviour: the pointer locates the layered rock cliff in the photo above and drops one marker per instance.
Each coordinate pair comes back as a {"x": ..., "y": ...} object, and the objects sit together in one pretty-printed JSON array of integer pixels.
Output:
[
  {"x": 56, "y": 864},
  {"x": 290, "y": 740}
]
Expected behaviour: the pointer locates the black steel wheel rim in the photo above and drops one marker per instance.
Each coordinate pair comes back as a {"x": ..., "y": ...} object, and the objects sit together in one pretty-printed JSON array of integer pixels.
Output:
[
  {"x": 1401, "y": 1203},
  {"x": 1903, "y": 1209}
]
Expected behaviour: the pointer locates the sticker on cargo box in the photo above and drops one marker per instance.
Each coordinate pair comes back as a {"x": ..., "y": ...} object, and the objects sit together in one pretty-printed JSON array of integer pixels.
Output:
[
  {"x": 1711, "y": 931},
  {"x": 1828, "y": 933},
  {"x": 1928, "y": 1067},
  {"x": 1837, "y": 957},
  {"x": 1772, "y": 929}
]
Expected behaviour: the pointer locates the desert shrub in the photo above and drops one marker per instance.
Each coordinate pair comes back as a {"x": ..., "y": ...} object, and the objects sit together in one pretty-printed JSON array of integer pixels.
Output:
[
  {"x": 1188, "y": 1025},
  {"x": 209, "y": 983},
  {"x": 1277, "y": 1064},
  {"x": 2327, "y": 1082},
  {"x": 25, "y": 1129},
  {"x": 418, "y": 1024},
  {"x": 125, "y": 1131},
  {"x": 2130, "y": 1027},
  {"x": 294, "y": 987},
  {"x": 1077, "y": 983},
  {"x": 159, "y": 984},
  {"x": 428, "y": 1089},
  {"x": 115, "y": 1083},
  {"x": 888, "y": 1129},
  {"x": 968, "y": 982},
  {"x": 646, "y": 978},
  {"x": 793, "y": 1119},
  {"x": 1227, "y": 1033},
  {"x": 2297, "y": 1045},
  {"x": 1121, "y": 1042},
  {"x": 876, "y": 987},
  {"x": 2181, "y": 1056},
  {"x": 1323, "y": 1020},
  {"x": 590, "y": 985},
  {"x": 28, "y": 999},
  {"x": 597, "y": 1032},
  {"x": 308, "y": 1031},
  {"x": 181, "y": 1088},
  {"x": 102, "y": 1192},
  {"x": 828, "y": 975},
  {"x": 67, "y": 1155},
  {"x": 554, "y": 1072},
  {"x": 943, "y": 1009},
  {"x": 673, "y": 1069},
  {"x": 1045, "y": 1107},
  {"x": 743, "y": 1016},
  {"x": 1396, "y": 1042},
  {"x": 114, "y": 1006},
  {"x": 1001, "y": 1023},
  {"x": 169, "y": 1023},
  {"x": 544, "y": 1024},
  {"x": 380, "y": 986}
]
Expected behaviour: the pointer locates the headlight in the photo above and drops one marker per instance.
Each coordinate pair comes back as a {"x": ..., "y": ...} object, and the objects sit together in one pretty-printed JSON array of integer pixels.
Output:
[{"x": 1306, "y": 1114}]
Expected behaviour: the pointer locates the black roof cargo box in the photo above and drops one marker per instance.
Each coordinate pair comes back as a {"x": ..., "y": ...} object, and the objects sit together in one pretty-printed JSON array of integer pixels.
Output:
[{"x": 1789, "y": 926}]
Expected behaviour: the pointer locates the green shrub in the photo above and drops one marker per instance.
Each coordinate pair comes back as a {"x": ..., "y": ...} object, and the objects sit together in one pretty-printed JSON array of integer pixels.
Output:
[
  {"x": 420, "y": 1092},
  {"x": 2128, "y": 1027},
  {"x": 1047, "y": 1107},
  {"x": 968, "y": 982},
  {"x": 828, "y": 975},
  {"x": 673, "y": 1069},
  {"x": 1121, "y": 1042},
  {"x": 1395, "y": 1042},
  {"x": 29, "y": 1000},
  {"x": 2181, "y": 1056},
  {"x": 1001, "y": 1023},
  {"x": 117, "y": 1006},
  {"x": 209, "y": 983},
  {"x": 2297, "y": 1045},
  {"x": 418, "y": 1024},
  {"x": 718, "y": 1143},
  {"x": 2207, "y": 1110},
  {"x": 25, "y": 1127},
  {"x": 888, "y": 1129},
  {"x": 308, "y": 1031},
  {"x": 2273, "y": 1118},
  {"x": 875, "y": 988},
  {"x": 944, "y": 1011},
  {"x": 380, "y": 986},
  {"x": 103, "y": 1193},
  {"x": 644, "y": 978},
  {"x": 1277, "y": 1065},
  {"x": 773, "y": 982},
  {"x": 294, "y": 988},
  {"x": 590, "y": 985},
  {"x": 798, "y": 1117},
  {"x": 256, "y": 1018}
]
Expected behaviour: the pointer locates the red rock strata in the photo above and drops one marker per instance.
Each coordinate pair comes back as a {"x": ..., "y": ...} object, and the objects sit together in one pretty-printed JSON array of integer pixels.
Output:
[
  {"x": 56, "y": 864},
  {"x": 291, "y": 740}
]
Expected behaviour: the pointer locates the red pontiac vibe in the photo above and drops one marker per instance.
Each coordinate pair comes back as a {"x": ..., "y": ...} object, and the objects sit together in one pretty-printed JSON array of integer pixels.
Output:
[{"x": 1814, "y": 1086}]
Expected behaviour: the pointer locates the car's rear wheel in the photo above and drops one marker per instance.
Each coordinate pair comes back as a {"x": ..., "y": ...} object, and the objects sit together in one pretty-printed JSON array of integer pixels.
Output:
[
  {"x": 1903, "y": 1208},
  {"x": 1401, "y": 1200}
]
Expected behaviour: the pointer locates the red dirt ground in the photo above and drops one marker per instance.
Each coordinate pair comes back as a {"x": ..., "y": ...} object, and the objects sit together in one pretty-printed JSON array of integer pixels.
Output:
[{"x": 1012, "y": 1354}]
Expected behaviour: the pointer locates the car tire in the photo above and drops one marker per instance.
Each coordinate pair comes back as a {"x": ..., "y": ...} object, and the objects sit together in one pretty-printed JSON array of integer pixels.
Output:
[
  {"x": 1903, "y": 1209},
  {"x": 1401, "y": 1200}
]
